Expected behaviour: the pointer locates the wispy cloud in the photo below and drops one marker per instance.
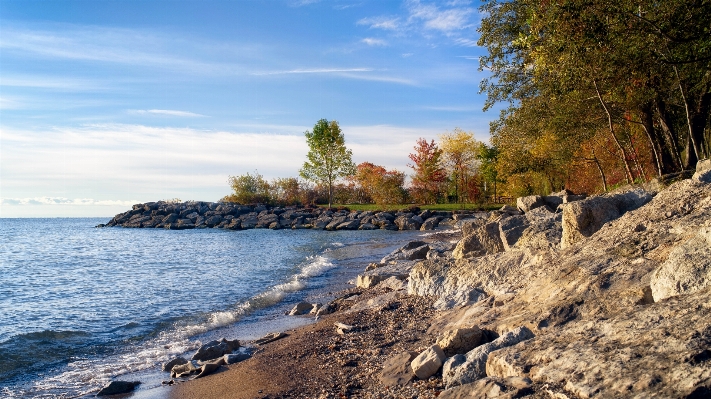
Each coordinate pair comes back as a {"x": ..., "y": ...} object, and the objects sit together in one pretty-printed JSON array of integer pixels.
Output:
[
  {"x": 52, "y": 83},
  {"x": 315, "y": 70},
  {"x": 466, "y": 42},
  {"x": 381, "y": 78},
  {"x": 168, "y": 112},
  {"x": 65, "y": 201},
  {"x": 442, "y": 20},
  {"x": 374, "y": 42},
  {"x": 469, "y": 57},
  {"x": 387, "y": 23}
]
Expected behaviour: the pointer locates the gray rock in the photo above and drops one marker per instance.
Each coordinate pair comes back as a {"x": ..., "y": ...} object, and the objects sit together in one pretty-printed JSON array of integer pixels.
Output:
[
  {"x": 335, "y": 222},
  {"x": 212, "y": 221},
  {"x": 215, "y": 349},
  {"x": 118, "y": 387},
  {"x": 270, "y": 338},
  {"x": 249, "y": 220},
  {"x": 184, "y": 370},
  {"x": 301, "y": 308},
  {"x": 463, "y": 369},
  {"x": 407, "y": 223},
  {"x": 703, "y": 171},
  {"x": 687, "y": 268},
  {"x": 367, "y": 226},
  {"x": 174, "y": 362},
  {"x": 430, "y": 223},
  {"x": 349, "y": 225},
  {"x": 471, "y": 225},
  {"x": 207, "y": 369},
  {"x": 411, "y": 250},
  {"x": 484, "y": 240},
  {"x": 428, "y": 362},
  {"x": 526, "y": 204},
  {"x": 583, "y": 218},
  {"x": 511, "y": 229}
]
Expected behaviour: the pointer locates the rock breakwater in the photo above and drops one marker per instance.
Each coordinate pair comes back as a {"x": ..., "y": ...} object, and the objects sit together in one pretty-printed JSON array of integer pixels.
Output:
[{"x": 198, "y": 214}]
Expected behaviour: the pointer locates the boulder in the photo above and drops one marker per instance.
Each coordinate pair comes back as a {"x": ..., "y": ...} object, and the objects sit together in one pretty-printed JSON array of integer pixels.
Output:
[
  {"x": 430, "y": 223},
  {"x": 301, "y": 308},
  {"x": 397, "y": 370},
  {"x": 428, "y": 362},
  {"x": 212, "y": 221},
  {"x": 410, "y": 251},
  {"x": 367, "y": 226},
  {"x": 463, "y": 369},
  {"x": 703, "y": 171},
  {"x": 506, "y": 388},
  {"x": 510, "y": 210},
  {"x": 687, "y": 268},
  {"x": 215, "y": 349},
  {"x": 349, "y": 225},
  {"x": 526, "y": 204},
  {"x": 511, "y": 229},
  {"x": 233, "y": 358},
  {"x": 460, "y": 340},
  {"x": 209, "y": 368},
  {"x": 368, "y": 281},
  {"x": 249, "y": 220},
  {"x": 471, "y": 225},
  {"x": 485, "y": 240},
  {"x": 582, "y": 219},
  {"x": 335, "y": 222},
  {"x": 174, "y": 362},
  {"x": 184, "y": 370},
  {"x": 118, "y": 387},
  {"x": 408, "y": 223}
]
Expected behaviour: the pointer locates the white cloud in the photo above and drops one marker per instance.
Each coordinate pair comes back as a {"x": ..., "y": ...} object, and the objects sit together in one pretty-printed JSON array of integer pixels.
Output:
[
  {"x": 168, "y": 112},
  {"x": 315, "y": 70},
  {"x": 65, "y": 201},
  {"x": 466, "y": 42},
  {"x": 442, "y": 20},
  {"x": 386, "y": 23},
  {"x": 374, "y": 42},
  {"x": 381, "y": 78}
]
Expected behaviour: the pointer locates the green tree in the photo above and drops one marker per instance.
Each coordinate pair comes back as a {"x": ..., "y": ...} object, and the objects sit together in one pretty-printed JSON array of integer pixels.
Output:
[
  {"x": 249, "y": 189},
  {"x": 459, "y": 150},
  {"x": 328, "y": 157}
]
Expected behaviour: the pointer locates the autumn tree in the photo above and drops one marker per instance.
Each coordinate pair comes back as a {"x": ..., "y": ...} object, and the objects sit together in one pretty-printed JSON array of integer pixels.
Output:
[
  {"x": 328, "y": 158},
  {"x": 429, "y": 175},
  {"x": 459, "y": 150},
  {"x": 384, "y": 187}
]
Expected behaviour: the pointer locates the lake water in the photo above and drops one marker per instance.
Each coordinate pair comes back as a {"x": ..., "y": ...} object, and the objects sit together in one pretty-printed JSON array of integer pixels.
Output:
[{"x": 80, "y": 305}]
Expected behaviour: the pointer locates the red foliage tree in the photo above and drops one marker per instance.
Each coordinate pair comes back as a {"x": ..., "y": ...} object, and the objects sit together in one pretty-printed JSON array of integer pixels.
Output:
[{"x": 429, "y": 176}]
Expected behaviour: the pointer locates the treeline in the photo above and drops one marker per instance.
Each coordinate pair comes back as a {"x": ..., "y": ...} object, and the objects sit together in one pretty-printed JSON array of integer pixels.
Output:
[
  {"x": 456, "y": 169},
  {"x": 600, "y": 93}
]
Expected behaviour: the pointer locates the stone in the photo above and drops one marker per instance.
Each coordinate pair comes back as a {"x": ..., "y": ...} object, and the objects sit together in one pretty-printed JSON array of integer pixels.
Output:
[
  {"x": 582, "y": 219},
  {"x": 460, "y": 340},
  {"x": 428, "y": 362},
  {"x": 430, "y": 223},
  {"x": 215, "y": 349},
  {"x": 511, "y": 229},
  {"x": 118, "y": 387},
  {"x": 526, "y": 204},
  {"x": 335, "y": 222},
  {"x": 174, "y": 362},
  {"x": 369, "y": 281},
  {"x": 207, "y": 368},
  {"x": 463, "y": 369},
  {"x": 397, "y": 370},
  {"x": 184, "y": 370},
  {"x": 510, "y": 210},
  {"x": 367, "y": 226},
  {"x": 349, "y": 225},
  {"x": 703, "y": 171},
  {"x": 410, "y": 249},
  {"x": 212, "y": 221},
  {"x": 342, "y": 329},
  {"x": 407, "y": 223},
  {"x": 301, "y": 308},
  {"x": 484, "y": 240},
  {"x": 271, "y": 337},
  {"x": 687, "y": 268},
  {"x": 471, "y": 225},
  {"x": 483, "y": 389},
  {"x": 394, "y": 283},
  {"x": 505, "y": 364}
]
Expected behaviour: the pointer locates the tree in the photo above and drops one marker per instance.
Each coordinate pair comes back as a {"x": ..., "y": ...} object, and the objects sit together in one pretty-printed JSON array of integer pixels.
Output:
[
  {"x": 384, "y": 187},
  {"x": 249, "y": 189},
  {"x": 487, "y": 157},
  {"x": 328, "y": 157},
  {"x": 429, "y": 174},
  {"x": 459, "y": 149}
]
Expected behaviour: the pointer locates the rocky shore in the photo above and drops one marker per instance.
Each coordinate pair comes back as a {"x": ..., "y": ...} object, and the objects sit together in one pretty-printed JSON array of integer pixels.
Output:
[
  {"x": 600, "y": 297},
  {"x": 225, "y": 215}
]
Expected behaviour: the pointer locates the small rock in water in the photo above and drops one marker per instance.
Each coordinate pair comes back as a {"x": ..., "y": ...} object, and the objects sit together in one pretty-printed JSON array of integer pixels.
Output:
[
  {"x": 301, "y": 308},
  {"x": 215, "y": 349},
  {"x": 174, "y": 362},
  {"x": 118, "y": 387}
]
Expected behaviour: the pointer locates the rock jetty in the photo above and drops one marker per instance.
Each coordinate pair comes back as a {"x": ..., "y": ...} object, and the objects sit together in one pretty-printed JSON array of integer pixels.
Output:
[
  {"x": 600, "y": 297},
  {"x": 199, "y": 215}
]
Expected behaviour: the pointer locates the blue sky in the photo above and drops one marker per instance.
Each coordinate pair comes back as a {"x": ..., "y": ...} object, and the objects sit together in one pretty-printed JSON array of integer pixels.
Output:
[{"x": 107, "y": 103}]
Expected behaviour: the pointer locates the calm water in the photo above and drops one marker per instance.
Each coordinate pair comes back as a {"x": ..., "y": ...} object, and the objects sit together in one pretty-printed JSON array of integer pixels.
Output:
[{"x": 80, "y": 305}]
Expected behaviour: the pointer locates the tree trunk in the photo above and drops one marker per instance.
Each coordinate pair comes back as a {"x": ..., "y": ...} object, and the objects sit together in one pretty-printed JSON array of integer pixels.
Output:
[
  {"x": 670, "y": 139},
  {"x": 614, "y": 137},
  {"x": 602, "y": 172}
]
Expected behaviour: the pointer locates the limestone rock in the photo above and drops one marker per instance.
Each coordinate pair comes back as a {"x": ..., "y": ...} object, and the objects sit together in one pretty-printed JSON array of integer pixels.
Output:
[
  {"x": 174, "y": 362},
  {"x": 407, "y": 223},
  {"x": 583, "y": 218},
  {"x": 489, "y": 388},
  {"x": 428, "y": 362},
  {"x": 485, "y": 240},
  {"x": 471, "y": 225},
  {"x": 686, "y": 270},
  {"x": 430, "y": 223},
  {"x": 215, "y": 349},
  {"x": 511, "y": 229},
  {"x": 184, "y": 370},
  {"x": 460, "y": 340},
  {"x": 271, "y": 337},
  {"x": 301, "y": 308},
  {"x": 703, "y": 171},
  {"x": 397, "y": 370},
  {"x": 208, "y": 368},
  {"x": 526, "y": 204},
  {"x": 233, "y": 358},
  {"x": 410, "y": 251},
  {"x": 118, "y": 387},
  {"x": 463, "y": 369}
]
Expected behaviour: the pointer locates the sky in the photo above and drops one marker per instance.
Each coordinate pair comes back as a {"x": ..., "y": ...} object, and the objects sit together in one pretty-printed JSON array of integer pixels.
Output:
[{"x": 104, "y": 104}]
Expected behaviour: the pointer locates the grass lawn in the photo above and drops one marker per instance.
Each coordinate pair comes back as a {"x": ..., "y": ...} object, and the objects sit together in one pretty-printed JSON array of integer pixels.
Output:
[{"x": 434, "y": 207}]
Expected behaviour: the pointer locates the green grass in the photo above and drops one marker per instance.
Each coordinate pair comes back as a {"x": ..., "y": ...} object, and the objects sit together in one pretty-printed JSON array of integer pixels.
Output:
[{"x": 433, "y": 207}]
